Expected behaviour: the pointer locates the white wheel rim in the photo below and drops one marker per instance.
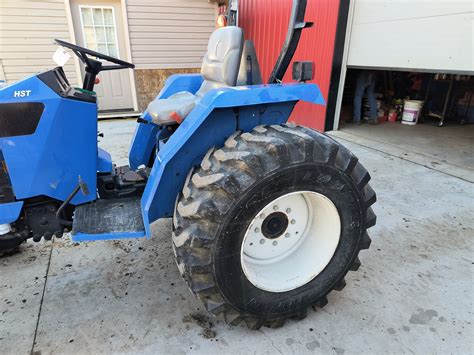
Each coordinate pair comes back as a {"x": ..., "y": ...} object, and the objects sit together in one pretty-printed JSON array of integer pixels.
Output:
[{"x": 297, "y": 252}]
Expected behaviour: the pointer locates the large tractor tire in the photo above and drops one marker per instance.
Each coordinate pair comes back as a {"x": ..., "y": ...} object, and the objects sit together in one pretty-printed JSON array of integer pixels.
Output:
[{"x": 270, "y": 223}]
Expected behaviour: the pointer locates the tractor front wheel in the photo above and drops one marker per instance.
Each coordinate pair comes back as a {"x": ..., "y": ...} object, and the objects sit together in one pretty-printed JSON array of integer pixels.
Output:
[
  {"x": 271, "y": 223},
  {"x": 10, "y": 241}
]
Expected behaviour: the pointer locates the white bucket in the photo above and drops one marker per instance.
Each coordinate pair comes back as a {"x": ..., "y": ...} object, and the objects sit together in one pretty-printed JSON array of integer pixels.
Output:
[{"x": 411, "y": 111}]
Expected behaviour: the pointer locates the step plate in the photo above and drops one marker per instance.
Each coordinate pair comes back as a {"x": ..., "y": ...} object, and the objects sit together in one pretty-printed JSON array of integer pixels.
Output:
[{"x": 108, "y": 219}]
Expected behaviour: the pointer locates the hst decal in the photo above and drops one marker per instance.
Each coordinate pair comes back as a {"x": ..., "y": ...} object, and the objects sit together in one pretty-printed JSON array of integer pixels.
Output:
[{"x": 21, "y": 93}]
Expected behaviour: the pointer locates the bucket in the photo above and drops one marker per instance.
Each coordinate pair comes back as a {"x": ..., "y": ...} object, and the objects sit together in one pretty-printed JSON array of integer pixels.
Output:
[{"x": 411, "y": 111}]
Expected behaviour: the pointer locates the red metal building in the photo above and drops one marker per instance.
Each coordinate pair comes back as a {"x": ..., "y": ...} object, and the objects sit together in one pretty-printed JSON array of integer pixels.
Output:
[{"x": 266, "y": 23}]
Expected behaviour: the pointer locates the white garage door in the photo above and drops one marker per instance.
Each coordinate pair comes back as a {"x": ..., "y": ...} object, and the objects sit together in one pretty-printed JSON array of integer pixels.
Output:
[{"x": 430, "y": 35}]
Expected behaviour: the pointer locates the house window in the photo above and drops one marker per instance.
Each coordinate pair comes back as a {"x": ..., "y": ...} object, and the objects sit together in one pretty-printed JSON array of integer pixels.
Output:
[{"x": 100, "y": 32}]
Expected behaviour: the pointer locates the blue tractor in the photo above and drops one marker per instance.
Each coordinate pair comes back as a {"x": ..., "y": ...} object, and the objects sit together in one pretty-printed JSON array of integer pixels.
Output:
[{"x": 268, "y": 217}]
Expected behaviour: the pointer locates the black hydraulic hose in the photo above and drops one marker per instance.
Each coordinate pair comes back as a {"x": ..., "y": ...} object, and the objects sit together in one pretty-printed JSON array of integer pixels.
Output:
[{"x": 64, "y": 204}]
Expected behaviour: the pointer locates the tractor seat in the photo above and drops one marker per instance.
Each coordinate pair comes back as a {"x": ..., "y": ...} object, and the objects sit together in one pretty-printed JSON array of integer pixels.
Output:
[{"x": 220, "y": 67}]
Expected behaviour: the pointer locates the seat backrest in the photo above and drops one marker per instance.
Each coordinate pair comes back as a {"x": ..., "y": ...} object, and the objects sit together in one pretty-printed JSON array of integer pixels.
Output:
[{"x": 220, "y": 65}]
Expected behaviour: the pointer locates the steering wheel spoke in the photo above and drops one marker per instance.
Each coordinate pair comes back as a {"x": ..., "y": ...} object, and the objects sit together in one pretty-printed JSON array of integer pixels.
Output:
[{"x": 113, "y": 67}]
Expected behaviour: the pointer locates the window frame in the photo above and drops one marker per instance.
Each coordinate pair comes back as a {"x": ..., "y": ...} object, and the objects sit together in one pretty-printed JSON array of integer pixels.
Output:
[{"x": 92, "y": 7}]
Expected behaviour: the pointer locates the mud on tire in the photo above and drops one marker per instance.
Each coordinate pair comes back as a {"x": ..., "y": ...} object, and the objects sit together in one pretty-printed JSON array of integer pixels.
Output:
[{"x": 222, "y": 196}]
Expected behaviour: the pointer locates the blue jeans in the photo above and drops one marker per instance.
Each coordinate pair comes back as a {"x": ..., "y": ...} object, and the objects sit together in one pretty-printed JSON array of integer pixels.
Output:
[{"x": 367, "y": 85}]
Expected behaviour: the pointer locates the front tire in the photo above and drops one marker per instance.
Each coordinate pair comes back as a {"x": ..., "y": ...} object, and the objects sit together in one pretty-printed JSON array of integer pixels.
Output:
[
  {"x": 271, "y": 223},
  {"x": 10, "y": 243}
]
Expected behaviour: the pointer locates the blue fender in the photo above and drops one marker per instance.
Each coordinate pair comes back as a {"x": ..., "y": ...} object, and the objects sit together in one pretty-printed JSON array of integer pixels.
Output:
[
  {"x": 211, "y": 122},
  {"x": 262, "y": 94},
  {"x": 146, "y": 135},
  {"x": 104, "y": 161},
  {"x": 143, "y": 142},
  {"x": 181, "y": 82},
  {"x": 9, "y": 212}
]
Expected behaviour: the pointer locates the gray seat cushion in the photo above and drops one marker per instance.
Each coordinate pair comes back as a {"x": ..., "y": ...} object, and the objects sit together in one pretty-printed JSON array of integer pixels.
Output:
[
  {"x": 220, "y": 67},
  {"x": 174, "y": 109}
]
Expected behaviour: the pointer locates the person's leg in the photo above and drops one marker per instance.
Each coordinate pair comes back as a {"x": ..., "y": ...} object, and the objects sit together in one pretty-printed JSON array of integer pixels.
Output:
[
  {"x": 372, "y": 102},
  {"x": 358, "y": 93}
]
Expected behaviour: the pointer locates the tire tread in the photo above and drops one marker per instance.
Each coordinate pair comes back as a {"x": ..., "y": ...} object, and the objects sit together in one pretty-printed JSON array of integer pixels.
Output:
[{"x": 210, "y": 187}]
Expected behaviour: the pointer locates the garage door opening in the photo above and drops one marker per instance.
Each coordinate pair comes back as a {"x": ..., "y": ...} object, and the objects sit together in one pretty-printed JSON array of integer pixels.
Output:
[{"x": 426, "y": 115}]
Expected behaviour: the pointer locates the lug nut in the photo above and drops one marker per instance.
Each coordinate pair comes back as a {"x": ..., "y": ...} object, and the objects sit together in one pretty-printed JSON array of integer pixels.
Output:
[
  {"x": 262, "y": 241},
  {"x": 262, "y": 215},
  {"x": 293, "y": 221},
  {"x": 275, "y": 207},
  {"x": 257, "y": 230},
  {"x": 288, "y": 210},
  {"x": 275, "y": 243},
  {"x": 287, "y": 235}
]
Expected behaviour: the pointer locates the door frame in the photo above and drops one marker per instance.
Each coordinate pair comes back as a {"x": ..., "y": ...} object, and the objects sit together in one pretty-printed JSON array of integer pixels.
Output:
[
  {"x": 128, "y": 50},
  {"x": 343, "y": 70}
]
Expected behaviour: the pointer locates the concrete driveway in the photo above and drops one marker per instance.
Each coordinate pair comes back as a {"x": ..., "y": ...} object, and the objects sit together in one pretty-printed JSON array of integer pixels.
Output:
[{"x": 412, "y": 294}]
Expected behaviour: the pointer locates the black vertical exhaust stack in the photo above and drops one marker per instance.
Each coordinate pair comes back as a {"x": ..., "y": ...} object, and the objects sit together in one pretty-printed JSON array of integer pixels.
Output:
[{"x": 293, "y": 35}]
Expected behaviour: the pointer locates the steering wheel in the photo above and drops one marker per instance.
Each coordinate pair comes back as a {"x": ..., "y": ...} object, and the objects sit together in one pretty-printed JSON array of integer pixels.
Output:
[
  {"x": 94, "y": 67},
  {"x": 83, "y": 54}
]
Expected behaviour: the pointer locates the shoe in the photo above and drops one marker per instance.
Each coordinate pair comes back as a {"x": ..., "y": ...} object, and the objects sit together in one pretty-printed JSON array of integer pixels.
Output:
[{"x": 355, "y": 122}]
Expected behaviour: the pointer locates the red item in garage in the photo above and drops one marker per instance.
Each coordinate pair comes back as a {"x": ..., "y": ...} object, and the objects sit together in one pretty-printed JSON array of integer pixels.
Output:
[{"x": 392, "y": 115}]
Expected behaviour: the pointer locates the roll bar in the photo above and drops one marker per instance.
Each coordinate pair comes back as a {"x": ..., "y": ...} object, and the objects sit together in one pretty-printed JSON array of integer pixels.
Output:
[{"x": 295, "y": 26}]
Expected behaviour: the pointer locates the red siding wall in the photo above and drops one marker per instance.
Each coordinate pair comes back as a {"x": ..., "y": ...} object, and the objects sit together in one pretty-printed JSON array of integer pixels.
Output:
[{"x": 266, "y": 22}]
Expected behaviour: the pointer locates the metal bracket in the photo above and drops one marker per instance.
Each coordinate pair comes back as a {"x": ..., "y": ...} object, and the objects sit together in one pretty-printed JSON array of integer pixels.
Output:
[
  {"x": 301, "y": 25},
  {"x": 142, "y": 120}
]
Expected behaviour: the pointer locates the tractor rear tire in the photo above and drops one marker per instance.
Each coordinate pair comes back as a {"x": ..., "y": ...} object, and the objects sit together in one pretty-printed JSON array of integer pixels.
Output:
[{"x": 270, "y": 224}]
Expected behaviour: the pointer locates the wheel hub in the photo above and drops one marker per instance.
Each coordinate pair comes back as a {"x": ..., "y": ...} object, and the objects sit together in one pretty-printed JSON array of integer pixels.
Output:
[
  {"x": 274, "y": 225},
  {"x": 290, "y": 241}
]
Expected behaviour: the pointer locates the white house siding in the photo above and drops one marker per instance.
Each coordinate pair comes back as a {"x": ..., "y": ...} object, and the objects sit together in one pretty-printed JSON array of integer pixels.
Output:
[
  {"x": 27, "y": 30},
  {"x": 432, "y": 35},
  {"x": 167, "y": 34}
]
